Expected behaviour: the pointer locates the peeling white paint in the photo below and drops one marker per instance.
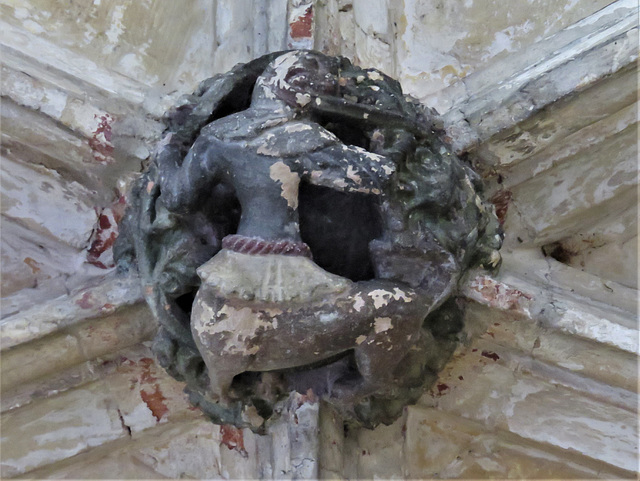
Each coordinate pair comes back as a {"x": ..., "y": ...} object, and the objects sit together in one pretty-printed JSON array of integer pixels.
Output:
[
  {"x": 358, "y": 302},
  {"x": 280, "y": 172},
  {"x": 382, "y": 324},
  {"x": 140, "y": 418},
  {"x": 381, "y": 297},
  {"x": 303, "y": 99},
  {"x": 241, "y": 325}
]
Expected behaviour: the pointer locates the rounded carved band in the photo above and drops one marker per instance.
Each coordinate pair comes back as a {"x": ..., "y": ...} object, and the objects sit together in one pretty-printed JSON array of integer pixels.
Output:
[{"x": 259, "y": 246}]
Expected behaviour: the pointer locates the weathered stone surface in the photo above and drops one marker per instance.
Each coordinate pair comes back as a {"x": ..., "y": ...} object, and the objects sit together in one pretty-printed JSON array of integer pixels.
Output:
[
  {"x": 378, "y": 453},
  {"x": 194, "y": 453},
  {"x": 561, "y": 357},
  {"x": 331, "y": 443},
  {"x": 78, "y": 343},
  {"x": 445, "y": 42},
  {"x": 131, "y": 52},
  {"x": 58, "y": 428},
  {"x": 477, "y": 108},
  {"x": 557, "y": 201},
  {"x": 39, "y": 208},
  {"x": 562, "y": 130},
  {"x": 440, "y": 445},
  {"x": 32, "y": 263},
  {"x": 531, "y": 266},
  {"x": 512, "y": 399},
  {"x": 63, "y": 380},
  {"x": 39, "y": 358},
  {"x": 87, "y": 303},
  {"x": 602, "y": 314},
  {"x": 119, "y": 465}
]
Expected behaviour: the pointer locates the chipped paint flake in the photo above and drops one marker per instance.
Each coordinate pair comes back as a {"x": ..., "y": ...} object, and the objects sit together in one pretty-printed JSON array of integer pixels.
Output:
[
  {"x": 353, "y": 175},
  {"x": 303, "y": 99},
  {"x": 280, "y": 172},
  {"x": 382, "y": 324},
  {"x": 358, "y": 302},
  {"x": 241, "y": 324},
  {"x": 381, "y": 297}
]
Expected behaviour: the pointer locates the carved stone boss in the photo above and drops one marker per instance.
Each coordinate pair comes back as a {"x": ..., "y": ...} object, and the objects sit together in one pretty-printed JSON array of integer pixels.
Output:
[{"x": 302, "y": 225}]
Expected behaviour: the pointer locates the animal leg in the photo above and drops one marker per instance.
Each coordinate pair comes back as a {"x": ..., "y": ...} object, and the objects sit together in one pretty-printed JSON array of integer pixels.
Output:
[
  {"x": 221, "y": 373},
  {"x": 380, "y": 358}
]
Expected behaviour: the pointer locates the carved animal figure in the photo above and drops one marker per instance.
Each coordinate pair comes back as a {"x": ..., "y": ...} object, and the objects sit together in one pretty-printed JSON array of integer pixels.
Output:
[{"x": 236, "y": 196}]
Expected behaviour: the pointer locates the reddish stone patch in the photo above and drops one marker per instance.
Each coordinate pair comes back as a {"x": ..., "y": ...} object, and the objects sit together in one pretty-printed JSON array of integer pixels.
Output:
[
  {"x": 147, "y": 364},
  {"x": 233, "y": 438},
  {"x": 302, "y": 26},
  {"x": 104, "y": 222},
  {"x": 442, "y": 387},
  {"x": 100, "y": 141},
  {"x": 155, "y": 402},
  {"x": 461, "y": 378},
  {"x": 105, "y": 234},
  {"x": 501, "y": 200},
  {"x": 84, "y": 301},
  {"x": 499, "y": 295},
  {"x": 490, "y": 355},
  {"x": 489, "y": 333}
]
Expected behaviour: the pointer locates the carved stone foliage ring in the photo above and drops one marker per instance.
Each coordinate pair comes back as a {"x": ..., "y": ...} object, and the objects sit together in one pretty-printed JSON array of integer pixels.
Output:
[{"x": 302, "y": 225}]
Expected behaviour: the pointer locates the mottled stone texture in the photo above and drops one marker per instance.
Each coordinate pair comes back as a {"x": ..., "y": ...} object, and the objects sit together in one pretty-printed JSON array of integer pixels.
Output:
[{"x": 540, "y": 95}]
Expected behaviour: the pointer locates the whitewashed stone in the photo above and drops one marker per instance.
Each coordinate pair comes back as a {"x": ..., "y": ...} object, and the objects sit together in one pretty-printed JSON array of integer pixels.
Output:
[
  {"x": 192, "y": 453},
  {"x": 563, "y": 130},
  {"x": 87, "y": 303},
  {"x": 554, "y": 204},
  {"x": 58, "y": 428},
  {"x": 379, "y": 453},
  {"x": 40, "y": 358},
  {"x": 487, "y": 386},
  {"x": 443, "y": 42},
  {"x": 605, "y": 43},
  {"x": 331, "y": 443},
  {"x": 34, "y": 262},
  {"x": 37, "y": 198},
  {"x": 443, "y": 446}
]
